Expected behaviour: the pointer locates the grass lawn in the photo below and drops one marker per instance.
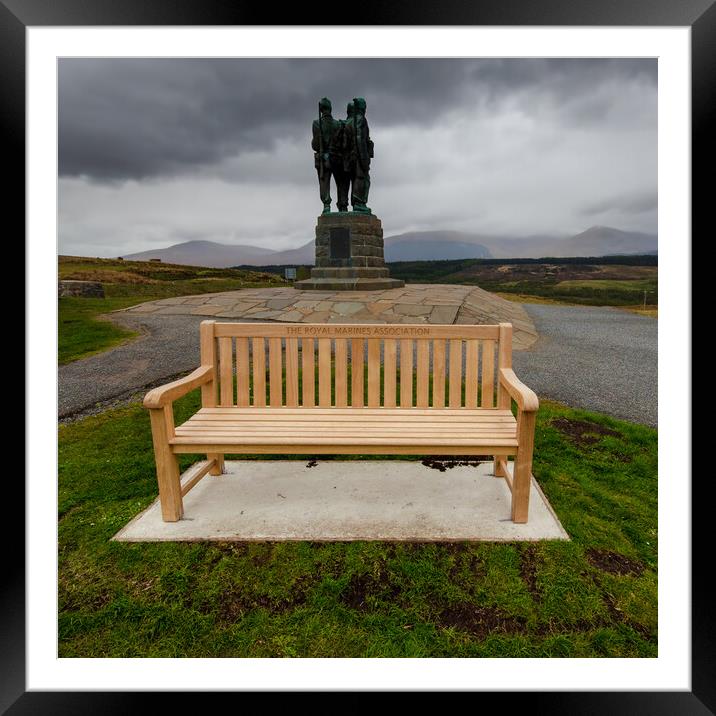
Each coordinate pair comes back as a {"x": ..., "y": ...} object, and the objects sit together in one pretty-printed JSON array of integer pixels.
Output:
[
  {"x": 594, "y": 596},
  {"x": 82, "y": 330}
]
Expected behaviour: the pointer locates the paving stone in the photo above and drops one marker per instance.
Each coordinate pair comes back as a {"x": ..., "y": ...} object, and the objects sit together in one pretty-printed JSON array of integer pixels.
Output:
[
  {"x": 291, "y": 316},
  {"x": 174, "y": 310},
  {"x": 172, "y": 301},
  {"x": 144, "y": 308},
  {"x": 317, "y": 317},
  {"x": 443, "y": 314},
  {"x": 266, "y": 314},
  {"x": 208, "y": 310},
  {"x": 411, "y": 319},
  {"x": 346, "y": 308},
  {"x": 278, "y": 303},
  {"x": 411, "y": 309}
]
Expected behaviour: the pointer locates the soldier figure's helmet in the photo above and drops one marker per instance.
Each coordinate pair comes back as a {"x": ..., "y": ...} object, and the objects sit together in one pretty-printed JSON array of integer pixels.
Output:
[
  {"x": 325, "y": 104},
  {"x": 359, "y": 104}
]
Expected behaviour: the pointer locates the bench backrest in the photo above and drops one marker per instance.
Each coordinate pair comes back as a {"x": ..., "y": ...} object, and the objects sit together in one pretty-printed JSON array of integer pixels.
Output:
[{"x": 358, "y": 365}]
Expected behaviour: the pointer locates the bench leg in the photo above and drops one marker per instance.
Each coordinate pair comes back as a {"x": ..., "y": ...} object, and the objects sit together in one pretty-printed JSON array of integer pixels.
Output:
[
  {"x": 218, "y": 468},
  {"x": 498, "y": 471},
  {"x": 167, "y": 469},
  {"x": 522, "y": 473}
]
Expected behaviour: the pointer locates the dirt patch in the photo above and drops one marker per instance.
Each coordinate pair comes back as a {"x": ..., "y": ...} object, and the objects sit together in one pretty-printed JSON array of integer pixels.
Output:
[
  {"x": 312, "y": 463},
  {"x": 480, "y": 621},
  {"x": 69, "y": 601},
  {"x": 529, "y": 562},
  {"x": 457, "y": 461},
  {"x": 454, "y": 547},
  {"x": 234, "y": 604},
  {"x": 616, "y": 615},
  {"x": 582, "y": 433},
  {"x": 614, "y": 563},
  {"x": 236, "y": 549},
  {"x": 467, "y": 567},
  {"x": 262, "y": 553},
  {"x": 361, "y": 588}
]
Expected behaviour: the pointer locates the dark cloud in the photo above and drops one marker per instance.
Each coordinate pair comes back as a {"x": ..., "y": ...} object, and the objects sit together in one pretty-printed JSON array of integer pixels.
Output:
[{"x": 140, "y": 119}]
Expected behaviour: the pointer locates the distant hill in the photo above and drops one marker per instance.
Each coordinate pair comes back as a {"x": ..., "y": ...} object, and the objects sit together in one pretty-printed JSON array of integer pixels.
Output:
[
  {"x": 605, "y": 241},
  {"x": 303, "y": 255},
  {"x": 206, "y": 253},
  {"x": 419, "y": 246},
  {"x": 432, "y": 245}
]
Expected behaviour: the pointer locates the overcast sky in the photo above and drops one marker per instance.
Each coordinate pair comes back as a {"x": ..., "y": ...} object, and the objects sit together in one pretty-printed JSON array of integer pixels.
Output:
[{"x": 153, "y": 152}]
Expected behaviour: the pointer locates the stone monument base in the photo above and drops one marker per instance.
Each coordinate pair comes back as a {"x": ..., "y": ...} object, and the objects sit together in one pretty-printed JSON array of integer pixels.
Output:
[
  {"x": 349, "y": 255},
  {"x": 349, "y": 284}
]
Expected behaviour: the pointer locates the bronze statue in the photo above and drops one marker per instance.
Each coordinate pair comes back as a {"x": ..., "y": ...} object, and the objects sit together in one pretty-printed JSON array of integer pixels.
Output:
[
  {"x": 343, "y": 149},
  {"x": 360, "y": 150},
  {"x": 325, "y": 129}
]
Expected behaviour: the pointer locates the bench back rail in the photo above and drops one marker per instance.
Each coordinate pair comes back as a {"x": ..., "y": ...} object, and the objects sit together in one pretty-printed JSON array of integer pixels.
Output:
[{"x": 355, "y": 365}]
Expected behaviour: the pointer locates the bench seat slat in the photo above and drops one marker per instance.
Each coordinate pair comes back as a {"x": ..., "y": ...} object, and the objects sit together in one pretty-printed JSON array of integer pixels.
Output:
[{"x": 348, "y": 426}]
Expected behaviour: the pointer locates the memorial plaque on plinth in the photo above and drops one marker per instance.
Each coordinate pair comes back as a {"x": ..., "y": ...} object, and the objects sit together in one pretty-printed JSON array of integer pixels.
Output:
[{"x": 339, "y": 243}]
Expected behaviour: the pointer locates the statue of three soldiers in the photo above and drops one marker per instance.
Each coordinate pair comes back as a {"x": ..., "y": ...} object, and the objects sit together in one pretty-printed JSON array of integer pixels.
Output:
[{"x": 343, "y": 149}]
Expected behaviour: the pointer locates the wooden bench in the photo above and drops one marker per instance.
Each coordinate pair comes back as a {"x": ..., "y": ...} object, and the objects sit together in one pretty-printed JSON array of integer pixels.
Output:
[{"x": 313, "y": 389}]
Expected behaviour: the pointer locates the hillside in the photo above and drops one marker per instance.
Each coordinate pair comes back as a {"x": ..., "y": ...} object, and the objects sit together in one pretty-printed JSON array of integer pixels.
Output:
[
  {"x": 430, "y": 245},
  {"x": 600, "y": 281},
  {"x": 418, "y": 246},
  {"x": 205, "y": 253}
]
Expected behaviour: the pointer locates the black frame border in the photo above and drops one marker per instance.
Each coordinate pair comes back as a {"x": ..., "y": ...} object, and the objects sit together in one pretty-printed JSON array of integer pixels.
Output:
[{"x": 699, "y": 15}]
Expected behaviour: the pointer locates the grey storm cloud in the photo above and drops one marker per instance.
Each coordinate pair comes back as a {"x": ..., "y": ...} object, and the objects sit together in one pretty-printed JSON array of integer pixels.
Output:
[{"x": 122, "y": 119}]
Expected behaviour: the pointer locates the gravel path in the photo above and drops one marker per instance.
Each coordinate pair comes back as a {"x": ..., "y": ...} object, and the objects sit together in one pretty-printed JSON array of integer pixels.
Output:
[
  {"x": 169, "y": 346},
  {"x": 601, "y": 359}
]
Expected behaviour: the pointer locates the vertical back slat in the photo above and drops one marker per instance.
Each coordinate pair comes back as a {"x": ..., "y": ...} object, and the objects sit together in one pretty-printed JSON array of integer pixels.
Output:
[
  {"x": 455, "y": 392},
  {"x": 324, "y": 372},
  {"x": 258, "y": 349},
  {"x": 242, "y": 371},
  {"x": 471, "y": 358},
  {"x": 308, "y": 372},
  {"x": 374, "y": 372},
  {"x": 422, "y": 373},
  {"x": 292, "y": 372},
  {"x": 406, "y": 373},
  {"x": 390, "y": 352},
  {"x": 439, "y": 373},
  {"x": 504, "y": 360},
  {"x": 488, "y": 374},
  {"x": 341, "y": 380},
  {"x": 227, "y": 370},
  {"x": 357, "y": 376},
  {"x": 275, "y": 373},
  {"x": 208, "y": 357}
]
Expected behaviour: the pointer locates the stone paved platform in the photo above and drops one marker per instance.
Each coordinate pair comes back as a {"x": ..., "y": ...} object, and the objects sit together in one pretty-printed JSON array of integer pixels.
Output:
[{"x": 414, "y": 303}]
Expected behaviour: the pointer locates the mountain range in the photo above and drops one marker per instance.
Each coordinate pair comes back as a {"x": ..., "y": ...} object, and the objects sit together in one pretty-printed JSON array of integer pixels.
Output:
[{"x": 419, "y": 246}]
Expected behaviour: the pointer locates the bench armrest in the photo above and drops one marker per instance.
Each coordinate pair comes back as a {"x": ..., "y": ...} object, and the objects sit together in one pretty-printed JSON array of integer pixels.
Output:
[
  {"x": 526, "y": 399},
  {"x": 159, "y": 397}
]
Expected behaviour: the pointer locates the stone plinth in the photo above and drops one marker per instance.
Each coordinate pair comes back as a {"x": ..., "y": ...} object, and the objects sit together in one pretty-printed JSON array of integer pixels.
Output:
[{"x": 349, "y": 254}]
